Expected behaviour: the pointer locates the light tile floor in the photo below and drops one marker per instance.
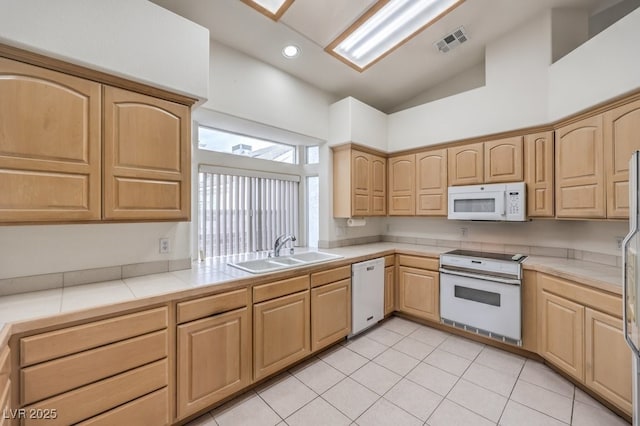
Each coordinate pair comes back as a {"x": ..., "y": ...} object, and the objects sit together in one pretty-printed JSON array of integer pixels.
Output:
[{"x": 403, "y": 373}]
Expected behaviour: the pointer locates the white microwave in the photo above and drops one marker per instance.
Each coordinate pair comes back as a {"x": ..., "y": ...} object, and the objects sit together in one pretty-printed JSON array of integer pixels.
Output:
[{"x": 499, "y": 202}]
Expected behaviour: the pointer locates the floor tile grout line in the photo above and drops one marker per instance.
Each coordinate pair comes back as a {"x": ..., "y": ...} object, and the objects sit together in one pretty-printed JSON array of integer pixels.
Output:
[{"x": 511, "y": 393}]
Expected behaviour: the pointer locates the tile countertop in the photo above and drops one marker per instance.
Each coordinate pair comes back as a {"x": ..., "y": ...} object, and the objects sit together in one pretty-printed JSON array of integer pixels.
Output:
[{"x": 130, "y": 293}]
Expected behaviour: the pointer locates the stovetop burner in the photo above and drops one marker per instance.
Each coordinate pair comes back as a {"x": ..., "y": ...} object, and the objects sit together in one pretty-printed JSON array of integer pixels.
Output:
[{"x": 482, "y": 254}]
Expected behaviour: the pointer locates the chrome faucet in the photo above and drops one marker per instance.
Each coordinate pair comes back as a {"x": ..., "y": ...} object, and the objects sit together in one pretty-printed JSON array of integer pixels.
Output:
[{"x": 280, "y": 241}]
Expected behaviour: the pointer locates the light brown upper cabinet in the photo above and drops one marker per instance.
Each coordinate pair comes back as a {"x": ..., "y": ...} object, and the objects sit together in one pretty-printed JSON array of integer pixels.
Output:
[
  {"x": 72, "y": 149},
  {"x": 402, "y": 190},
  {"x": 503, "y": 160},
  {"x": 538, "y": 171},
  {"x": 621, "y": 130},
  {"x": 431, "y": 183},
  {"x": 359, "y": 183},
  {"x": 486, "y": 162},
  {"x": 49, "y": 145},
  {"x": 580, "y": 189},
  {"x": 146, "y": 157},
  {"x": 466, "y": 164}
]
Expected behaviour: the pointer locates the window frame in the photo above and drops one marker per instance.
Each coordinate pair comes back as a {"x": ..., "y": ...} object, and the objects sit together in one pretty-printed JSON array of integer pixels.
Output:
[{"x": 300, "y": 169}]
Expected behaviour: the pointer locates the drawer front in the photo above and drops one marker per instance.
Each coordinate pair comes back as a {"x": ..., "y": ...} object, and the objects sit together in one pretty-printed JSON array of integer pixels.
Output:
[
  {"x": 419, "y": 262},
  {"x": 605, "y": 302},
  {"x": 88, "y": 401},
  {"x": 61, "y": 375},
  {"x": 211, "y": 305},
  {"x": 330, "y": 276},
  {"x": 149, "y": 410},
  {"x": 4, "y": 363},
  {"x": 5, "y": 390},
  {"x": 389, "y": 260},
  {"x": 67, "y": 341},
  {"x": 280, "y": 288}
]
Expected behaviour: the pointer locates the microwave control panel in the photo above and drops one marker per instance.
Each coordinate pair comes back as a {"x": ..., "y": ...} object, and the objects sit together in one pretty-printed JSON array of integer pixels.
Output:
[{"x": 514, "y": 203}]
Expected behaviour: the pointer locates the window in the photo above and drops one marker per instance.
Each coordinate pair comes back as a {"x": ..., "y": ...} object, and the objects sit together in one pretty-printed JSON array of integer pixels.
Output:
[
  {"x": 313, "y": 207},
  {"x": 216, "y": 140},
  {"x": 244, "y": 211},
  {"x": 313, "y": 154}
]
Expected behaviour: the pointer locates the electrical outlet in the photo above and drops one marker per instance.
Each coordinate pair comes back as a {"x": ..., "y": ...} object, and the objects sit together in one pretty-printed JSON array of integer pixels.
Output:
[
  {"x": 164, "y": 245},
  {"x": 619, "y": 242},
  {"x": 464, "y": 232}
]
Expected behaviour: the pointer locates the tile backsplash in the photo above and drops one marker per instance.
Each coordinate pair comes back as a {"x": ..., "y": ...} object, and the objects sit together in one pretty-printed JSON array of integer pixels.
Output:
[{"x": 9, "y": 286}]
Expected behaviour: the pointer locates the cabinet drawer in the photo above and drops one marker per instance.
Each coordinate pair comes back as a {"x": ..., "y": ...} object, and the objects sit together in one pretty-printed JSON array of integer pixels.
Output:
[
  {"x": 419, "y": 262},
  {"x": 91, "y": 400},
  {"x": 4, "y": 363},
  {"x": 5, "y": 388},
  {"x": 330, "y": 276},
  {"x": 280, "y": 288},
  {"x": 67, "y": 341},
  {"x": 605, "y": 302},
  {"x": 151, "y": 409},
  {"x": 54, "y": 377},
  {"x": 389, "y": 260},
  {"x": 211, "y": 305}
]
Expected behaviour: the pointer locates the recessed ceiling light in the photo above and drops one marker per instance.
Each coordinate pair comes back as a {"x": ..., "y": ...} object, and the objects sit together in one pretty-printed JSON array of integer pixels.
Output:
[
  {"x": 271, "y": 8},
  {"x": 291, "y": 51},
  {"x": 385, "y": 26}
]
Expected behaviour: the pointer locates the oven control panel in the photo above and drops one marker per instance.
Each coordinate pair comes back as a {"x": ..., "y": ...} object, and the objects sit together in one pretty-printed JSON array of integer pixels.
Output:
[{"x": 482, "y": 264}]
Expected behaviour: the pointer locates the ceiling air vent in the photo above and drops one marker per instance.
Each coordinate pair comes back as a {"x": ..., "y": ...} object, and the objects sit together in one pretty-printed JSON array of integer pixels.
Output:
[{"x": 451, "y": 41}]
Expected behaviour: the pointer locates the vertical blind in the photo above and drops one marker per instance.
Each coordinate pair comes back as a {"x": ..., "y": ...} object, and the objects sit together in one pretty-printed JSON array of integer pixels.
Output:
[{"x": 244, "y": 213}]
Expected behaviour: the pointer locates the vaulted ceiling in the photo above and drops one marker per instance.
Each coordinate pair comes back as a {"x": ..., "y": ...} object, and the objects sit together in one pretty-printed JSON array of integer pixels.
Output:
[{"x": 409, "y": 70}]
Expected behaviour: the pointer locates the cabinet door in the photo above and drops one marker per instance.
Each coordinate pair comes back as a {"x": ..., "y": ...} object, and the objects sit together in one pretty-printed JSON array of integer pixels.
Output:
[
  {"x": 281, "y": 333},
  {"x": 503, "y": 160},
  {"x": 562, "y": 333},
  {"x": 431, "y": 183},
  {"x": 360, "y": 183},
  {"x": 580, "y": 188},
  {"x": 621, "y": 130},
  {"x": 214, "y": 360},
  {"x": 466, "y": 164},
  {"x": 389, "y": 290},
  {"x": 608, "y": 359},
  {"x": 538, "y": 171},
  {"x": 378, "y": 185},
  {"x": 418, "y": 292},
  {"x": 147, "y": 167},
  {"x": 402, "y": 189},
  {"x": 330, "y": 313},
  {"x": 49, "y": 145}
]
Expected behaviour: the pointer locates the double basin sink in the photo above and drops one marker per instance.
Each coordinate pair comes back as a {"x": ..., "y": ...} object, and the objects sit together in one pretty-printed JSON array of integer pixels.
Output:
[{"x": 270, "y": 264}]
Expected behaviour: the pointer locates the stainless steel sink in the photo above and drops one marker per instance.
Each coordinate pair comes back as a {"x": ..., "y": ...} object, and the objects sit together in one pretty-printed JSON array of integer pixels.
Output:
[{"x": 271, "y": 264}]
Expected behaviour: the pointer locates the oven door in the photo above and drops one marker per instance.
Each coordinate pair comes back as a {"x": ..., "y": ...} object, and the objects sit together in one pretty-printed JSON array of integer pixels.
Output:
[
  {"x": 481, "y": 303},
  {"x": 487, "y": 205}
]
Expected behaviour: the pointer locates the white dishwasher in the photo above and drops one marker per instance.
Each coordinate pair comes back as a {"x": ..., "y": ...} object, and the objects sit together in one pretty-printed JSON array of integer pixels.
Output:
[{"x": 367, "y": 294}]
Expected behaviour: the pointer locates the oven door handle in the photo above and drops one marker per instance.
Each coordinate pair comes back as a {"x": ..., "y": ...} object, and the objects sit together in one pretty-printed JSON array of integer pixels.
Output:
[{"x": 511, "y": 281}]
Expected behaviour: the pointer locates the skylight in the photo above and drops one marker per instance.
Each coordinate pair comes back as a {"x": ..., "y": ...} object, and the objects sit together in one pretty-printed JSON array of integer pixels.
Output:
[
  {"x": 384, "y": 27},
  {"x": 271, "y": 8}
]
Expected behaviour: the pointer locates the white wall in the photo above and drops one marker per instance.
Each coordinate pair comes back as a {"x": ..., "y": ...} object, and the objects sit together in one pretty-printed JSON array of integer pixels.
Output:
[
  {"x": 245, "y": 87},
  {"x": 514, "y": 95},
  {"x": 469, "y": 79},
  {"x": 580, "y": 235},
  {"x": 40, "y": 249},
  {"x": 134, "y": 39},
  {"x": 606, "y": 66}
]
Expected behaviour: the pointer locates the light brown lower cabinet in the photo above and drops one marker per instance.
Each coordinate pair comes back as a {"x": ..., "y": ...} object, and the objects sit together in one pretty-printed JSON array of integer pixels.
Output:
[
  {"x": 419, "y": 292},
  {"x": 389, "y": 290},
  {"x": 586, "y": 343},
  {"x": 281, "y": 333},
  {"x": 562, "y": 333},
  {"x": 608, "y": 358},
  {"x": 213, "y": 359},
  {"x": 330, "y": 313},
  {"x": 5, "y": 385}
]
